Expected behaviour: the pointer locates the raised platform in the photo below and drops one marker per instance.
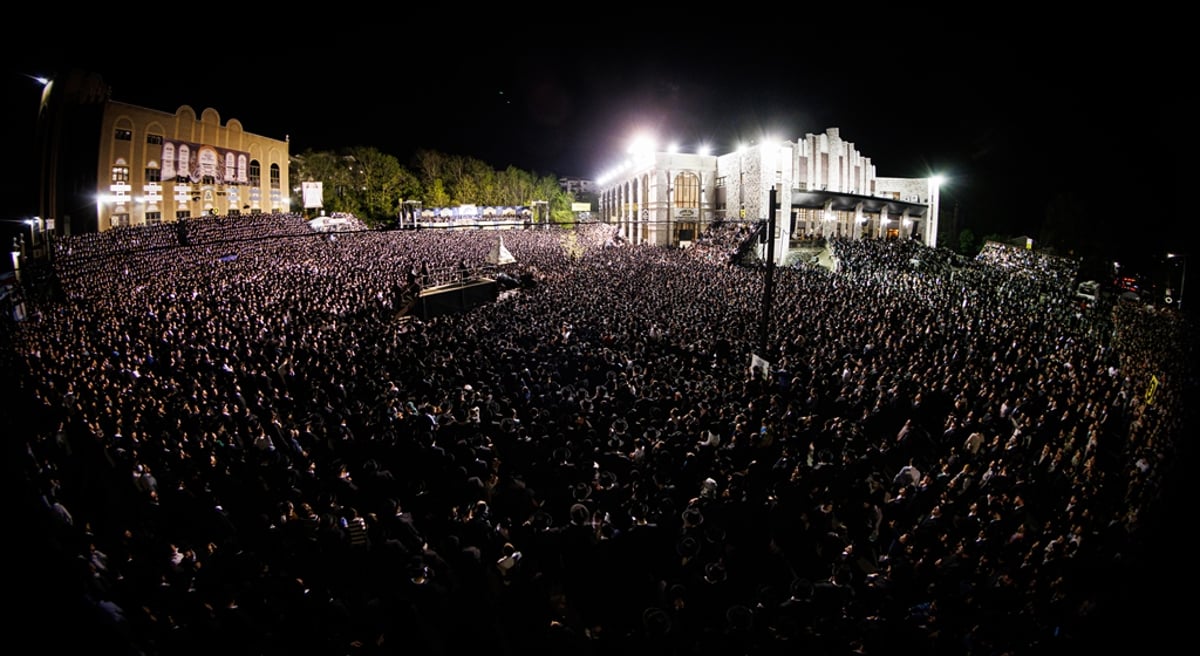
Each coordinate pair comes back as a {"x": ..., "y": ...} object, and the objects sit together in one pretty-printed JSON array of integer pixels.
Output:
[{"x": 455, "y": 297}]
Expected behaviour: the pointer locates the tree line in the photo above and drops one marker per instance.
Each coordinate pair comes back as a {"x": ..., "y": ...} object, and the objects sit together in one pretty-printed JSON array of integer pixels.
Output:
[{"x": 374, "y": 185}]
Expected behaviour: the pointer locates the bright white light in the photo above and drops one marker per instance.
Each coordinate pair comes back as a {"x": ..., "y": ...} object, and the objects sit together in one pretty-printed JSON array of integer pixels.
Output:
[
  {"x": 705, "y": 149},
  {"x": 938, "y": 180},
  {"x": 641, "y": 144},
  {"x": 672, "y": 147}
]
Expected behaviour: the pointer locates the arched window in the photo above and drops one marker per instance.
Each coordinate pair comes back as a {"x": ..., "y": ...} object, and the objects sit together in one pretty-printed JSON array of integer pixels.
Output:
[
  {"x": 230, "y": 167},
  {"x": 687, "y": 191},
  {"x": 275, "y": 176},
  {"x": 255, "y": 173}
]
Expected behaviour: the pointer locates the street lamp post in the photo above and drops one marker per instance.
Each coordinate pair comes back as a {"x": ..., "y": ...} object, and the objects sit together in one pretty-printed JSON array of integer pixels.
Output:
[
  {"x": 670, "y": 226},
  {"x": 1183, "y": 278}
]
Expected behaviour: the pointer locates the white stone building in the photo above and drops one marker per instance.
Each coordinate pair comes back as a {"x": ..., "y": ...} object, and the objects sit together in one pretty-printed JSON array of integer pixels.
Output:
[{"x": 824, "y": 188}]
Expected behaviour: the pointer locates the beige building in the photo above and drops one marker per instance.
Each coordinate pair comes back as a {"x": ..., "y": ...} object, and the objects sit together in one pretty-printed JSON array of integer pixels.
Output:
[
  {"x": 824, "y": 188},
  {"x": 148, "y": 166}
]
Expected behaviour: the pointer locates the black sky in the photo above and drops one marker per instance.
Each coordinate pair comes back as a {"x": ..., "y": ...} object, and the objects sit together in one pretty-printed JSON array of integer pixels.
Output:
[{"x": 1011, "y": 122}]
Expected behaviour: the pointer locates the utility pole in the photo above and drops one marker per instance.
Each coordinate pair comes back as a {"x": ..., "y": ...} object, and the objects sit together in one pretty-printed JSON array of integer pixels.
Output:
[{"x": 769, "y": 277}]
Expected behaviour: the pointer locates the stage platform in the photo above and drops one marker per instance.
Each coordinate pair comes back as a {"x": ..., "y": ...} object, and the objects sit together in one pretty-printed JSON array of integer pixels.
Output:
[{"x": 455, "y": 297}]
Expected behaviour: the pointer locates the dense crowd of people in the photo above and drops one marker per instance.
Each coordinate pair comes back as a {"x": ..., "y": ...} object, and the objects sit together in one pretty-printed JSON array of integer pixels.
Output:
[{"x": 232, "y": 445}]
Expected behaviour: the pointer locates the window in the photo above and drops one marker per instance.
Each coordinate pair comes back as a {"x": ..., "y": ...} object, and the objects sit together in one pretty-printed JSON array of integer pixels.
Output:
[
  {"x": 687, "y": 191},
  {"x": 720, "y": 181},
  {"x": 124, "y": 135},
  {"x": 153, "y": 174},
  {"x": 119, "y": 220},
  {"x": 155, "y": 139},
  {"x": 255, "y": 173},
  {"x": 182, "y": 214},
  {"x": 153, "y": 218},
  {"x": 120, "y": 174},
  {"x": 274, "y": 176}
]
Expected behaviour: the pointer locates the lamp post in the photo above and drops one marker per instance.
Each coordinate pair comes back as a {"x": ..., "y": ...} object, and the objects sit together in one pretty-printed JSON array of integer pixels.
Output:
[
  {"x": 16, "y": 258},
  {"x": 670, "y": 227},
  {"x": 1183, "y": 278}
]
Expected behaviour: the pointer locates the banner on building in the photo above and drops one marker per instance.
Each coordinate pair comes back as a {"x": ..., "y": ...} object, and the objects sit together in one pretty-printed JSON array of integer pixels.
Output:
[{"x": 201, "y": 162}]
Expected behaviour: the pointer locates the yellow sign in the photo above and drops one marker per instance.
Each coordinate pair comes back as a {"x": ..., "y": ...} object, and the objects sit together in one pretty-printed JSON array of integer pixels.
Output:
[{"x": 1151, "y": 389}]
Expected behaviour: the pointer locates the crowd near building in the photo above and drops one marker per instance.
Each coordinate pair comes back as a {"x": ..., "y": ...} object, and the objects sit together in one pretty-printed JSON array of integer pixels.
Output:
[
  {"x": 824, "y": 188},
  {"x": 232, "y": 443},
  {"x": 228, "y": 434},
  {"x": 109, "y": 164}
]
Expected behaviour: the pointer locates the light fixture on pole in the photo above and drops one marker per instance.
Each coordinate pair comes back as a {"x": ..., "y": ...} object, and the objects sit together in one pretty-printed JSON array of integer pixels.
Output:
[
  {"x": 1183, "y": 278},
  {"x": 670, "y": 227}
]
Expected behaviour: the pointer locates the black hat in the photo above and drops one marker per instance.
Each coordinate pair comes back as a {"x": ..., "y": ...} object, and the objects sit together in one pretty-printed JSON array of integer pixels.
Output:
[
  {"x": 581, "y": 491},
  {"x": 580, "y": 513},
  {"x": 714, "y": 572},
  {"x": 688, "y": 547},
  {"x": 714, "y": 534},
  {"x": 739, "y": 617},
  {"x": 541, "y": 520},
  {"x": 802, "y": 588},
  {"x": 656, "y": 622}
]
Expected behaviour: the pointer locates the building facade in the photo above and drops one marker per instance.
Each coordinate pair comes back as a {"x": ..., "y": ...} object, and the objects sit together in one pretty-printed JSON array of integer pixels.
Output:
[
  {"x": 824, "y": 188},
  {"x": 577, "y": 186},
  {"x": 149, "y": 166}
]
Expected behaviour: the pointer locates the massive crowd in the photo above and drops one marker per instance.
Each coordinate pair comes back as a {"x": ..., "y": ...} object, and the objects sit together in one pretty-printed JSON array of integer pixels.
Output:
[{"x": 231, "y": 444}]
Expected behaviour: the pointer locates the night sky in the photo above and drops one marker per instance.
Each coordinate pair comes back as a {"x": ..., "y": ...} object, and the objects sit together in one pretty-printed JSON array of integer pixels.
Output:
[{"x": 1012, "y": 123}]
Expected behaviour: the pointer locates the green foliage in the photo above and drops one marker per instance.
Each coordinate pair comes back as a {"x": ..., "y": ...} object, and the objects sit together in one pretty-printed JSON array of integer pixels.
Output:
[
  {"x": 378, "y": 181},
  {"x": 435, "y": 194},
  {"x": 374, "y": 185},
  {"x": 966, "y": 242}
]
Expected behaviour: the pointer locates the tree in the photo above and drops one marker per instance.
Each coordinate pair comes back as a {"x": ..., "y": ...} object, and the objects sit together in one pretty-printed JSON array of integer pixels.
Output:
[
  {"x": 429, "y": 166},
  {"x": 380, "y": 183},
  {"x": 434, "y": 195},
  {"x": 331, "y": 171},
  {"x": 966, "y": 242},
  {"x": 516, "y": 187}
]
